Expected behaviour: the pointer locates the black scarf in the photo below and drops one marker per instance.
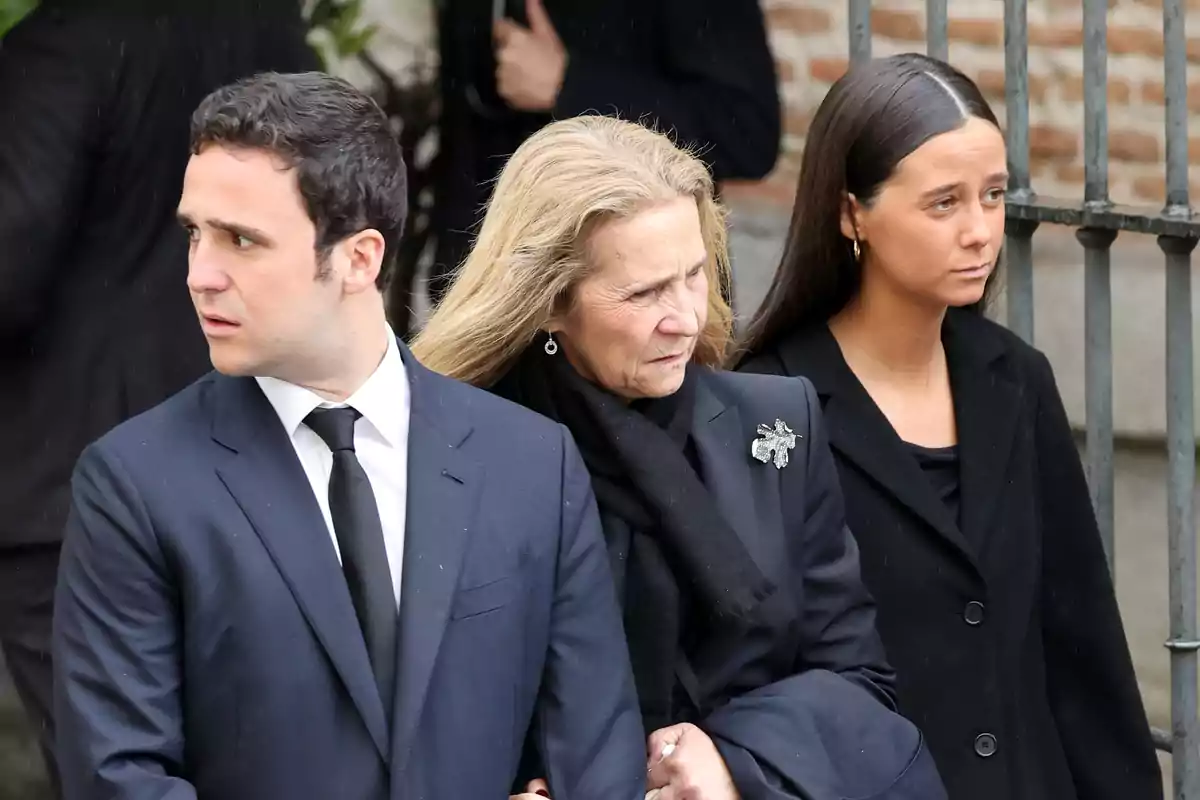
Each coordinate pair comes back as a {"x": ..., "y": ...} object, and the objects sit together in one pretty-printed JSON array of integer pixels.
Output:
[{"x": 687, "y": 574}]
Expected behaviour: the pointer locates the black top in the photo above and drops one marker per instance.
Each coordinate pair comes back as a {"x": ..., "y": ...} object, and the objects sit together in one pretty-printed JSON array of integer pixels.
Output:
[{"x": 940, "y": 465}]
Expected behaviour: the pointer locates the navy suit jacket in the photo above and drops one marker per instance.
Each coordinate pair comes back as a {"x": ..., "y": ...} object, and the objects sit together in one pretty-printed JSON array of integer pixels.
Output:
[{"x": 206, "y": 645}]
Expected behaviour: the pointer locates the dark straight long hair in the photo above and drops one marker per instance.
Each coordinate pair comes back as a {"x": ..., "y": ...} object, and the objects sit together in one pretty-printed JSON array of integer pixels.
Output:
[{"x": 872, "y": 118}]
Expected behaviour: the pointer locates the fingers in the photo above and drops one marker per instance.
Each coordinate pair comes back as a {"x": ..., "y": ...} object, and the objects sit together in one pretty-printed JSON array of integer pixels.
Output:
[
  {"x": 665, "y": 739},
  {"x": 505, "y": 31},
  {"x": 659, "y": 776},
  {"x": 508, "y": 81},
  {"x": 539, "y": 20},
  {"x": 662, "y": 766}
]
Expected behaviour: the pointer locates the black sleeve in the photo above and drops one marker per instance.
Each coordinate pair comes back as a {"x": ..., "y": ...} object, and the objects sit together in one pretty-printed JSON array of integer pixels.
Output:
[
  {"x": 717, "y": 91},
  {"x": 588, "y": 727},
  {"x": 117, "y": 673},
  {"x": 839, "y": 612},
  {"x": 51, "y": 96},
  {"x": 1092, "y": 688}
]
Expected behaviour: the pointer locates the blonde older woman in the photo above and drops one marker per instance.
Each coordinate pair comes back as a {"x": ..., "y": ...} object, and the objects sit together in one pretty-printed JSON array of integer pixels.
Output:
[{"x": 593, "y": 297}]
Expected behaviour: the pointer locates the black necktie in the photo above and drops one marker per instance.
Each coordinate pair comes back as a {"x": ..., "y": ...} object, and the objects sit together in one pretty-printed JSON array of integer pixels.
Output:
[{"x": 360, "y": 540}]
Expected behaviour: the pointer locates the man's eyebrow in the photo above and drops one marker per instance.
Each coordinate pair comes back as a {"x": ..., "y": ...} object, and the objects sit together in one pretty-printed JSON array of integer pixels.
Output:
[
  {"x": 233, "y": 228},
  {"x": 238, "y": 229}
]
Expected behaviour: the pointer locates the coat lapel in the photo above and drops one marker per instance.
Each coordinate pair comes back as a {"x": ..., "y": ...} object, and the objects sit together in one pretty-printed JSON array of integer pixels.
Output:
[
  {"x": 443, "y": 492},
  {"x": 724, "y": 453},
  {"x": 266, "y": 479},
  {"x": 723, "y": 450},
  {"x": 987, "y": 406},
  {"x": 860, "y": 431}
]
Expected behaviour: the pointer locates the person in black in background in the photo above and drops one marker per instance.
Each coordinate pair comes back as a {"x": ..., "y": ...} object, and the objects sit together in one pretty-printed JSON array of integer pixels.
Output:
[
  {"x": 699, "y": 69},
  {"x": 95, "y": 320}
]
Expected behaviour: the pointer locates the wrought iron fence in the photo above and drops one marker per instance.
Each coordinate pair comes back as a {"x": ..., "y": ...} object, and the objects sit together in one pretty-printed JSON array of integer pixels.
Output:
[{"x": 1098, "y": 222}]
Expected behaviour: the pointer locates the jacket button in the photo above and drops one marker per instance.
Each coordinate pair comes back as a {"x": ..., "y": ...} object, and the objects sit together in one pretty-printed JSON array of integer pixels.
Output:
[
  {"x": 973, "y": 613},
  {"x": 985, "y": 745}
]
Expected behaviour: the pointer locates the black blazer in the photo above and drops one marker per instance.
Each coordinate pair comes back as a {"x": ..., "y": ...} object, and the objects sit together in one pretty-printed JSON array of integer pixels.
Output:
[
  {"x": 792, "y": 521},
  {"x": 95, "y": 320},
  {"x": 1005, "y": 633}
]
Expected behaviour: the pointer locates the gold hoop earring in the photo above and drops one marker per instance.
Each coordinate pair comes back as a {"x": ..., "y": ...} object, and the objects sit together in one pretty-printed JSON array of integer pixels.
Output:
[{"x": 857, "y": 251}]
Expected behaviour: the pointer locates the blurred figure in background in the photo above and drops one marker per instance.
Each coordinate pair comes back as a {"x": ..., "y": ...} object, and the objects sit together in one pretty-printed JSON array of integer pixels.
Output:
[
  {"x": 699, "y": 69},
  {"x": 95, "y": 320}
]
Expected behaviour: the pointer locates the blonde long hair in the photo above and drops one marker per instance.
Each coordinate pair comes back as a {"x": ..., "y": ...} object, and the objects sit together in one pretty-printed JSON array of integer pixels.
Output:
[{"x": 532, "y": 248}]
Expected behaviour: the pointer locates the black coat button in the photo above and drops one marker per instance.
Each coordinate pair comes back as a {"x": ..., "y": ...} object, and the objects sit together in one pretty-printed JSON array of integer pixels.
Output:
[
  {"x": 973, "y": 613},
  {"x": 985, "y": 745}
]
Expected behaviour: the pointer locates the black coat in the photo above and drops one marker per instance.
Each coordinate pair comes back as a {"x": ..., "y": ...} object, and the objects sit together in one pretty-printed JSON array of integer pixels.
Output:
[
  {"x": 95, "y": 320},
  {"x": 802, "y": 707},
  {"x": 699, "y": 69},
  {"x": 1004, "y": 632}
]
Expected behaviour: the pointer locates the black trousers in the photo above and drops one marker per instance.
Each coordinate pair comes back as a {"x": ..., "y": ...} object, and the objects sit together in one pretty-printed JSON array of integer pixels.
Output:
[{"x": 27, "y": 578}]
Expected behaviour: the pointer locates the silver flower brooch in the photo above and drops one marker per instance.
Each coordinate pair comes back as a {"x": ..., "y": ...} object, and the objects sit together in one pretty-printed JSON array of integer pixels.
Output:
[{"x": 775, "y": 442}]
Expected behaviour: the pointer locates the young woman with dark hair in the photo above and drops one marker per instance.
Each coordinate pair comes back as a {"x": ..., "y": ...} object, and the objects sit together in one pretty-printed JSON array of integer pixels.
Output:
[{"x": 962, "y": 482}]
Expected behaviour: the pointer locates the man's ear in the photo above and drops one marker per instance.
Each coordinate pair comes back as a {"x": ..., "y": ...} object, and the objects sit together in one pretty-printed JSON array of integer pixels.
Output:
[{"x": 363, "y": 255}]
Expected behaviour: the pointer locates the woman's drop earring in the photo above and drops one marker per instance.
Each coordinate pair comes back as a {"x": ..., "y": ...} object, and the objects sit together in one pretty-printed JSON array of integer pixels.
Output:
[
  {"x": 551, "y": 346},
  {"x": 857, "y": 251}
]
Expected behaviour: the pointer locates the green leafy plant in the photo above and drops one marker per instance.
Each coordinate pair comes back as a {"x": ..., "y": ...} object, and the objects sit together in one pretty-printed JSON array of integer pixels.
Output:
[
  {"x": 11, "y": 12},
  {"x": 336, "y": 29}
]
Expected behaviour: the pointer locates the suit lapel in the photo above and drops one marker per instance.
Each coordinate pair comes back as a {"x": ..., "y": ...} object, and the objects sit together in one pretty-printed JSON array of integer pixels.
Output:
[
  {"x": 861, "y": 433},
  {"x": 987, "y": 406},
  {"x": 266, "y": 479},
  {"x": 723, "y": 449},
  {"x": 724, "y": 453},
  {"x": 443, "y": 492}
]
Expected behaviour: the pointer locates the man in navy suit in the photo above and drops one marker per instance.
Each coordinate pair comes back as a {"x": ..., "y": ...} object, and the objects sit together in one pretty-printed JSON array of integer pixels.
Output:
[{"x": 324, "y": 571}]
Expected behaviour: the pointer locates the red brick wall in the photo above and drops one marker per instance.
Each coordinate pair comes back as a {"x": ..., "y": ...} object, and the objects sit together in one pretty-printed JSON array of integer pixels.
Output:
[{"x": 809, "y": 38}]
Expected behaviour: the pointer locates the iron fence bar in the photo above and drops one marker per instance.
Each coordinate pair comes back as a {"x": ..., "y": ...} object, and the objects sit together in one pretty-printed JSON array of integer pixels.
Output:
[
  {"x": 1095, "y": 101},
  {"x": 1018, "y": 274},
  {"x": 1097, "y": 325},
  {"x": 1019, "y": 230},
  {"x": 1076, "y": 214},
  {"x": 1097, "y": 243},
  {"x": 1175, "y": 88},
  {"x": 937, "y": 29},
  {"x": 860, "y": 31},
  {"x": 1181, "y": 439},
  {"x": 1181, "y": 523}
]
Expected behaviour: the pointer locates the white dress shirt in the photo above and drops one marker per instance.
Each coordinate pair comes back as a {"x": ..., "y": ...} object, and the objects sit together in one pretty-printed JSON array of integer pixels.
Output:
[{"x": 380, "y": 441}]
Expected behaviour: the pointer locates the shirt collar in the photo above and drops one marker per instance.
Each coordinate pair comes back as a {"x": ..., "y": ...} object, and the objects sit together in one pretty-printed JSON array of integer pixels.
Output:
[{"x": 382, "y": 399}]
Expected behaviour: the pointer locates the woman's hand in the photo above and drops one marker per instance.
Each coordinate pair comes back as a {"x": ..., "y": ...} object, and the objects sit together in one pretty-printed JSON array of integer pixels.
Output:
[
  {"x": 536, "y": 789},
  {"x": 685, "y": 765}
]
